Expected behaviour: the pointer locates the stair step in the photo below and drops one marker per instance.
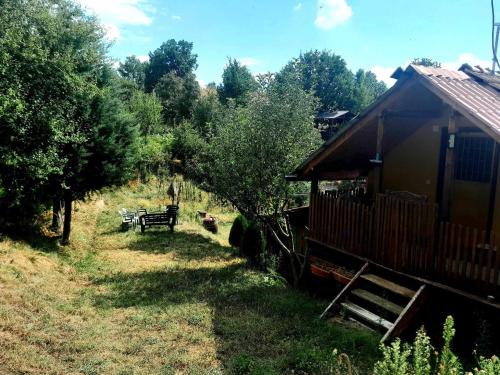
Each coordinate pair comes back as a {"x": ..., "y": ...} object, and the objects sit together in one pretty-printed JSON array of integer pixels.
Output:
[
  {"x": 379, "y": 301},
  {"x": 366, "y": 315},
  {"x": 389, "y": 285}
]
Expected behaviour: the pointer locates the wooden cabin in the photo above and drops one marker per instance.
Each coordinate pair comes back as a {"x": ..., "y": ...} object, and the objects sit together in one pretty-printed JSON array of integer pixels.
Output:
[{"x": 426, "y": 211}]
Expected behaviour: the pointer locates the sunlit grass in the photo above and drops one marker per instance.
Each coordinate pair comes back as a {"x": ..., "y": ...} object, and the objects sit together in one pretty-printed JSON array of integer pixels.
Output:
[{"x": 122, "y": 302}]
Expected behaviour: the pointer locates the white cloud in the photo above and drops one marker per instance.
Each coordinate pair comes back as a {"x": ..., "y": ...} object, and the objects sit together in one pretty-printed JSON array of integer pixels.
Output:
[
  {"x": 332, "y": 13},
  {"x": 297, "y": 7},
  {"x": 117, "y": 13},
  {"x": 143, "y": 58},
  {"x": 248, "y": 61},
  {"x": 384, "y": 74},
  {"x": 177, "y": 18},
  {"x": 112, "y": 31},
  {"x": 466, "y": 58}
]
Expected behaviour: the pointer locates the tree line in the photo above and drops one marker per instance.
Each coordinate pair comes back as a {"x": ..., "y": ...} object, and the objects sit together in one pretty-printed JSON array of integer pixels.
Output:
[{"x": 71, "y": 124}]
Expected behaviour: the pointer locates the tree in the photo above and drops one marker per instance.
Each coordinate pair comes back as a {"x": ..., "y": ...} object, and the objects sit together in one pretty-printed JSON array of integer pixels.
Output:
[
  {"x": 64, "y": 131},
  {"x": 366, "y": 90},
  {"x": 205, "y": 112},
  {"x": 49, "y": 55},
  {"x": 106, "y": 158},
  {"x": 326, "y": 75},
  {"x": 178, "y": 96},
  {"x": 237, "y": 83},
  {"x": 254, "y": 147},
  {"x": 134, "y": 70},
  {"x": 425, "y": 61},
  {"x": 147, "y": 110},
  {"x": 171, "y": 57}
]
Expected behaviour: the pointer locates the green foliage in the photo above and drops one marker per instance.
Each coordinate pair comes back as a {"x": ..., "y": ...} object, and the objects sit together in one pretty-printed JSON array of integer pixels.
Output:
[
  {"x": 108, "y": 159},
  {"x": 147, "y": 110},
  {"x": 134, "y": 70},
  {"x": 171, "y": 57},
  {"x": 425, "y": 61},
  {"x": 327, "y": 76},
  {"x": 488, "y": 366},
  {"x": 366, "y": 90},
  {"x": 395, "y": 359},
  {"x": 237, "y": 83},
  {"x": 178, "y": 95},
  {"x": 206, "y": 112},
  {"x": 422, "y": 354},
  {"x": 448, "y": 362},
  {"x": 416, "y": 359},
  {"x": 237, "y": 232},
  {"x": 187, "y": 143},
  {"x": 254, "y": 147},
  {"x": 252, "y": 244},
  {"x": 51, "y": 55},
  {"x": 153, "y": 153}
]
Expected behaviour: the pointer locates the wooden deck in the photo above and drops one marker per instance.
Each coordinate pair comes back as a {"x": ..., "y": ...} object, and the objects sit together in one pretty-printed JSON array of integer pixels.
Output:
[{"x": 406, "y": 236}]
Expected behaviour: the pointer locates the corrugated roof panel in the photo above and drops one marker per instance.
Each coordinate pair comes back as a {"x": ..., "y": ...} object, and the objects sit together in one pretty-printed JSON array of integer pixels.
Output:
[{"x": 477, "y": 98}]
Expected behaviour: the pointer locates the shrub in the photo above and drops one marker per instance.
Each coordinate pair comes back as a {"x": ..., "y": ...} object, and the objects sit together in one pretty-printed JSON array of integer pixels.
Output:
[
  {"x": 252, "y": 244},
  {"x": 416, "y": 359},
  {"x": 238, "y": 229}
]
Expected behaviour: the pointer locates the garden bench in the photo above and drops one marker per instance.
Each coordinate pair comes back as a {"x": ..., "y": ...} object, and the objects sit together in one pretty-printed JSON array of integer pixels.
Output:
[
  {"x": 169, "y": 217},
  {"x": 127, "y": 218}
]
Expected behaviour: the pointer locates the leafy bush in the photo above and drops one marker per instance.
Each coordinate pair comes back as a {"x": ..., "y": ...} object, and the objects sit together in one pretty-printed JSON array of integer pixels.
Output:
[
  {"x": 252, "y": 244},
  {"x": 153, "y": 153},
  {"x": 416, "y": 359},
  {"x": 238, "y": 229}
]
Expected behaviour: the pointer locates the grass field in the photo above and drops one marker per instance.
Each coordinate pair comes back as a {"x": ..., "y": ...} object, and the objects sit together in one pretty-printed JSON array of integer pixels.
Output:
[{"x": 117, "y": 302}]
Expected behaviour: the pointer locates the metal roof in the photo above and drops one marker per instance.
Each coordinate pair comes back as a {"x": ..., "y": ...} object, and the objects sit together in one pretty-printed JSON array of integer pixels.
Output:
[
  {"x": 466, "y": 92},
  {"x": 474, "y": 94}
]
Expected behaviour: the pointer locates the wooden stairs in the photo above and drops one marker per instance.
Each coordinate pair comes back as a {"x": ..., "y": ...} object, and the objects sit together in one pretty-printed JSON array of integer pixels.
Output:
[{"x": 379, "y": 302}]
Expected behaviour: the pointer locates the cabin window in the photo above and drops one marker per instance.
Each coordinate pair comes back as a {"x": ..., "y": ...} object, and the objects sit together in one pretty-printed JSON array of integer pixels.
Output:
[{"x": 474, "y": 156}]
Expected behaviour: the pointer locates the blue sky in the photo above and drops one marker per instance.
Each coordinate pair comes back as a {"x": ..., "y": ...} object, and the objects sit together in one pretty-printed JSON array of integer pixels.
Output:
[{"x": 379, "y": 35}]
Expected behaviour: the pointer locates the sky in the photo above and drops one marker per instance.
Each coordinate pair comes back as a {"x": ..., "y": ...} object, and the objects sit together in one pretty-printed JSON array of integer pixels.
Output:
[{"x": 376, "y": 35}]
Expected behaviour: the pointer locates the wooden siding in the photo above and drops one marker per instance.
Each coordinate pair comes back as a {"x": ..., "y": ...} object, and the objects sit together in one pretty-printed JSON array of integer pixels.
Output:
[{"x": 407, "y": 237}]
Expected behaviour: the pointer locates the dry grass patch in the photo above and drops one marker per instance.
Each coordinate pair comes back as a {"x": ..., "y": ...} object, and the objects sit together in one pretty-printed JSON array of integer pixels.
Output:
[{"x": 119, "y": 302}]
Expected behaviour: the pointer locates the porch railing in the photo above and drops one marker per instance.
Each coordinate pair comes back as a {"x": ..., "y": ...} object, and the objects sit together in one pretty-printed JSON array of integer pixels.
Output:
[{"x": 406, "y": 236}]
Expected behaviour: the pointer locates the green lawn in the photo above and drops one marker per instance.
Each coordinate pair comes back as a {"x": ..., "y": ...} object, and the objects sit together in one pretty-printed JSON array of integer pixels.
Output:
[{"x": 156, "y": 303}]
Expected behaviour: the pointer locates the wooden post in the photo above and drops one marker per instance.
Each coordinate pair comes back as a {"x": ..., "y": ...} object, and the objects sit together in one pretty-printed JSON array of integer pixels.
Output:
[
  {"x": 314, "y": 185},
  {"x": 493, "y": 189},
  {"x": 377, "y": 173},
  {"x": 449, "y": 167}
]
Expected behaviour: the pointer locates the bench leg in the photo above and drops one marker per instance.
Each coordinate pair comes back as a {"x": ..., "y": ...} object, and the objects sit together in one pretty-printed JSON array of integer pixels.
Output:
[
  {"x": 143, "y": 228},
  {"x": 171, "y": 228}
]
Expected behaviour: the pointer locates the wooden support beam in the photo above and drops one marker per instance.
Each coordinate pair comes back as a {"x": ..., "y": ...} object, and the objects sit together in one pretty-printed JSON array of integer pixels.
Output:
[
  {"x": 377, "y": 173},
  {"x": 314, "y": 185},
  {"x": 449, "y": 167},
  {"x": 493, "y": 189},
  {"x": 346, "y": 289}
]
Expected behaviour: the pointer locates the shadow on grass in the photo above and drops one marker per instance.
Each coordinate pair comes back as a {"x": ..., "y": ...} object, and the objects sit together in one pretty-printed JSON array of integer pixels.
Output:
[
  {"x": 35, "y": 239},
  {"x": 186, "y": 245},
  {"x": 254, "y": 315}
]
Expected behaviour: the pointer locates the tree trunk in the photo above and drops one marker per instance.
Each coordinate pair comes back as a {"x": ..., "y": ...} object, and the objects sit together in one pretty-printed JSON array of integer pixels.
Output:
[
  {"x": 57, "y": 215},
  {"x": 68, "y": 201}
]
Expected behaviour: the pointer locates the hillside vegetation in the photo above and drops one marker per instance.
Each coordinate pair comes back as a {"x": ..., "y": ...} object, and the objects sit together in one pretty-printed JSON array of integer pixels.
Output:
[{"x": 117, "y": 302}]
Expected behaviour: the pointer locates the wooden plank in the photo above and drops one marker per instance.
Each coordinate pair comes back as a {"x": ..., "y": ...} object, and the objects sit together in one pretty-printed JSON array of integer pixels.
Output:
[
  {"x": 435, "y": 284},
  {"x": 407, "y": 315},
  {"x": 487, "y": 276},
  {"x": 389, "y": 285},
  {"x": 366, "y": 315},
  {"x": 379, "y": 301},
  {"x": 346, "y": 289},
  {"x": 449, "y": 168}
]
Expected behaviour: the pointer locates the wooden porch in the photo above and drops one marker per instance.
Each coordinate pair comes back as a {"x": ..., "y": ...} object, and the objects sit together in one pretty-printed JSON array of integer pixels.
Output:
[{"x": 406, "y": 236}]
